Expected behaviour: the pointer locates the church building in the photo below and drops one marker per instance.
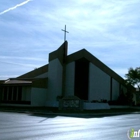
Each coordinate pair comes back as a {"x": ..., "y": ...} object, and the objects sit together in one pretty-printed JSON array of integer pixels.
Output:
[{"x": 79, "y": 75}]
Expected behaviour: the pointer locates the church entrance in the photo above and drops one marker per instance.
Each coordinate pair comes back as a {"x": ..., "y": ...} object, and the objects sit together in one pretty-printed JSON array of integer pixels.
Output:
[{"x": 81, "y": 78}]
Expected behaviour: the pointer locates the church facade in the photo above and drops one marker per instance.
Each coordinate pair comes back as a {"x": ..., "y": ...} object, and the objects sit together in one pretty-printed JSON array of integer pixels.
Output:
[{"x": 79, "y": 74}]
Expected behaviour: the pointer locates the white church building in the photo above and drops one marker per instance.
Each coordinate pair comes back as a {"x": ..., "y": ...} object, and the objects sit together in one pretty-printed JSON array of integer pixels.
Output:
[{"x": 79, "y": 75}]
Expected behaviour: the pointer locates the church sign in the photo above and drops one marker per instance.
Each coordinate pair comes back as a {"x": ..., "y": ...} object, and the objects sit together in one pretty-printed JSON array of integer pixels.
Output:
[{"x": 70, "y": 103}]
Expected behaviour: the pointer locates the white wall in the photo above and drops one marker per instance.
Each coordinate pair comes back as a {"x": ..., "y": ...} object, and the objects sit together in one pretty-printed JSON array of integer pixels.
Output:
[
  {"x": 54, "y": 80},
  {"x": 70, "y": 75},
  {"x": 38, "y": 96},
  {"x": 26, "y": 94},
  {"x": 115, "y": 89},
  {"x": 99, "y": 84}
]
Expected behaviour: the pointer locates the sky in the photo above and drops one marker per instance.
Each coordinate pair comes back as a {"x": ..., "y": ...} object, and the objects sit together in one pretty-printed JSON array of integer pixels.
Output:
[{"x": 31, "y": 29}]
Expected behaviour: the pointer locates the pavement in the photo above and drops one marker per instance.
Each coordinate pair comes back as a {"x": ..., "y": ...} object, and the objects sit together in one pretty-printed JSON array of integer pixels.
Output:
[{"x": 21, "y": 126}]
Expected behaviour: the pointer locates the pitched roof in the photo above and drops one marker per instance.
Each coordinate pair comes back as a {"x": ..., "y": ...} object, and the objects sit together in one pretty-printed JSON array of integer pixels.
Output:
[
  {"x": 91, "y": 58},
  {"x": 60, "y": 53},
  {"x": 70, "y": 58},
  {"x": 35, "y": 73}
]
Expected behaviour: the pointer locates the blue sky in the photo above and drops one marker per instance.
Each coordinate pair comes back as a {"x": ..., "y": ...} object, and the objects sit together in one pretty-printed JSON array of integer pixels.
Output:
[{"x": 31, "y": 29}]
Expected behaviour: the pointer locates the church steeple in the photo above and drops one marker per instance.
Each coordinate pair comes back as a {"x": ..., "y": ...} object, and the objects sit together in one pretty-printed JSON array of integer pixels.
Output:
[
  {"x": 57, "y": 71},
  {"x": 60, "y": 53}
]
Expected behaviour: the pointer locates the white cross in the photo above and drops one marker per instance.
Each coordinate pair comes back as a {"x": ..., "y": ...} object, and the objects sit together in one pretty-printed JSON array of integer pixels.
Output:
[{"x": 65, "y": 31}]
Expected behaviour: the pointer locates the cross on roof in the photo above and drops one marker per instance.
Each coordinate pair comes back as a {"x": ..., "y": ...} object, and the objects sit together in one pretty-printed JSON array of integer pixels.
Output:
[{"x": 65, "y": 31}]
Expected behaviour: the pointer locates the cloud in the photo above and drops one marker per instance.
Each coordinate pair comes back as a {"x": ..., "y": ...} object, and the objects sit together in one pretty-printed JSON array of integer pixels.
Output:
[
  {"x": 7, "y": 77},
  {"x": 22, "y": 58},
  {"x": 24, "y": 65},
  {"x": 16, "y": 6},
  {"x": 108, "y": 29}
]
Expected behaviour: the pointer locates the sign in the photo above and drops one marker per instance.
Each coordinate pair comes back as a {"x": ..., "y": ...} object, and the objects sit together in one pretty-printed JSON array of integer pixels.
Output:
[{"x": 70, "y": 103}]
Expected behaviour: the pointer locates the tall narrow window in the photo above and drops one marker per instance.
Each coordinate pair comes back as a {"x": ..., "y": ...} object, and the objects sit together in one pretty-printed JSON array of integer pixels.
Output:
[
  {"x": 5, "y": 94},
  {"x": 15, "y": 93},
  {"x": 82, "y": 78},
  {"x": 2, "y": 95},
  {"x": 110, "y": 88},
  {"x": 19, "y": 93},
  {"x": 10, "y": 93}
]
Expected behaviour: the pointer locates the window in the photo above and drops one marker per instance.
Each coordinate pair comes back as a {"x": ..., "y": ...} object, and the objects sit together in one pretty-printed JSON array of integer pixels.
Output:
[
  {"x": 14, "y": 93},
  {"x": 19, "y": 93},
  {"x": 5, "y": 93},
  {"x": 10, "y": 94}
]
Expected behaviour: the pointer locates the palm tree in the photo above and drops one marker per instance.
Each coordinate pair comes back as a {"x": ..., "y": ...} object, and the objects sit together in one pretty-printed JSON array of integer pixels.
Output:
[{"x": 133, "y": 77}]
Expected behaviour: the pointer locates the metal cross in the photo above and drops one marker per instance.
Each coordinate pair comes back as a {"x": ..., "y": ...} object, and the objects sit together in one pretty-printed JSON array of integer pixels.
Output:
[{"x": 65, "y": 31}]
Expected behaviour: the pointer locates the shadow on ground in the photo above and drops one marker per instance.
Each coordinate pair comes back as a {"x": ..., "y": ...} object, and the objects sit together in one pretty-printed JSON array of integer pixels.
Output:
[
  {"x": 88, "y": 114},
  {"x": 54, "y": 112}
]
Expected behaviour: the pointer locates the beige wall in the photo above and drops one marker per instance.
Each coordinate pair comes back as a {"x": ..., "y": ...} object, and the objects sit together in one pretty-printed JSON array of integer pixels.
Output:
[
  {"x": 54, "y": 80},
  {"x": 115, "y": 89},
  {"x": 38, "y": 96}
]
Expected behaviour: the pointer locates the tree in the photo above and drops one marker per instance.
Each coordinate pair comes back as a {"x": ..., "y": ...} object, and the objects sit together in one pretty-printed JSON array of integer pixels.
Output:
[{"x": 133, "y": 77}]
